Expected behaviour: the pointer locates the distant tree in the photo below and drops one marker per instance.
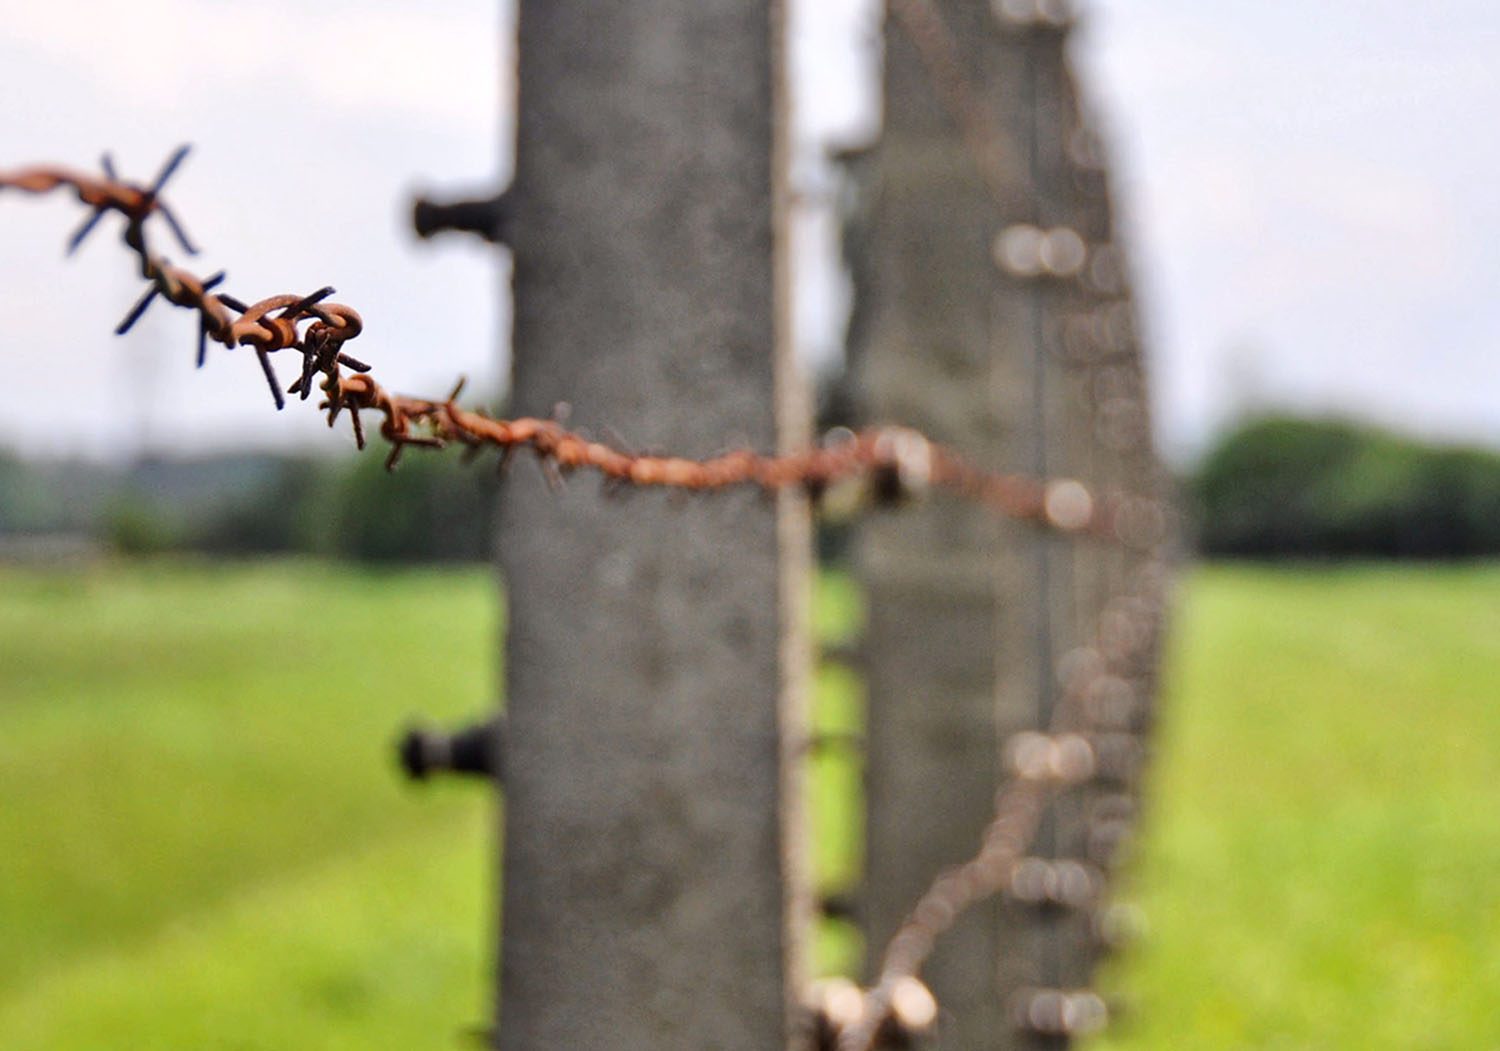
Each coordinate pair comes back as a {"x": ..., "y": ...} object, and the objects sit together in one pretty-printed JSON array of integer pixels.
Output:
[
  {"x": 134, "y": 527},
  {"x": 1287, "y": 486},
  {"x": 284, "y": 514},
  {"x": 433, "y": 508},
  {"x": 18, "y": 495}
]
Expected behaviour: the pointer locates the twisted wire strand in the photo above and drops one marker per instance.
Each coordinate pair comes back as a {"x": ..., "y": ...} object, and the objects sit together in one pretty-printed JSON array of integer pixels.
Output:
[
  {"x": 892, "y": 462},
  {"x": 1043, "y": 766}
]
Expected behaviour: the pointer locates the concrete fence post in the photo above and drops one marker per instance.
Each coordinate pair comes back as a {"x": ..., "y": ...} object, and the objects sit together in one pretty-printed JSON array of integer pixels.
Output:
[
  {"x": 970, "y": 331},
  {"x": 651, "y": 894}
]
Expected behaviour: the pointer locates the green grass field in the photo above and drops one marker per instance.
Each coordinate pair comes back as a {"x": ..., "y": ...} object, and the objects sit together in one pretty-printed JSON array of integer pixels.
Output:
[
  {"x": 1321, "y": 867},
  {"x": 203, "y": 843}
]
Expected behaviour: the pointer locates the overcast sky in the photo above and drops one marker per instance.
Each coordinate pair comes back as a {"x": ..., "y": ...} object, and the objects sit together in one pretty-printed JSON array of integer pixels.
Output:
[{"x": 1309, "y": 198}]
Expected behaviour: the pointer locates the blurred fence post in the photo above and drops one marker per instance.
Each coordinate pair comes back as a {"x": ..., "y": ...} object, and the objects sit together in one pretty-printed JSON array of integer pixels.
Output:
[
  {"x": 951, "y": 636},
  {"x": 650, "y": 893},
  {"x": 966, "y": 331},
  {"x": 1056, "y": 949}
]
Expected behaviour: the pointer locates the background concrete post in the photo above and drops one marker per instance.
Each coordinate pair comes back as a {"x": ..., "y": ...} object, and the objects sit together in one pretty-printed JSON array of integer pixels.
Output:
[
  {"x": 966, "y": 334},
  {"x": 650, "y": 898},
  {"x": 952, "y": 632}
]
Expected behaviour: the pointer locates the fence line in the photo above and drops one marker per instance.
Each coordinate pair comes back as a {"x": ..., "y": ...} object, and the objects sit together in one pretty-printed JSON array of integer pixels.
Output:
[{"x": 889, "y": 464}]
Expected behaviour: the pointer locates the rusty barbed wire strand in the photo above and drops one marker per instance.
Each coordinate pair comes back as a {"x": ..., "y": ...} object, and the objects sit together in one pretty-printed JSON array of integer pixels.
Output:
[
  {"x": 1042, "y": 765},
  {"x": 893, "y": 462}
]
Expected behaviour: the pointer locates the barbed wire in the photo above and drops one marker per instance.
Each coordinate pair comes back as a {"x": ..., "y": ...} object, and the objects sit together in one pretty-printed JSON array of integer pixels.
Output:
[
  {"x": 892, "y": 463},
  {"x": 1076, "y": 749}
]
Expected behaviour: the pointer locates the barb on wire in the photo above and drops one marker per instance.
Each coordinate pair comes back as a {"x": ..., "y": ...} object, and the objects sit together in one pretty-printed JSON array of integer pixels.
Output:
[
  {"x": 329, "y": 326},
  {"x": 891, "y": 462}
]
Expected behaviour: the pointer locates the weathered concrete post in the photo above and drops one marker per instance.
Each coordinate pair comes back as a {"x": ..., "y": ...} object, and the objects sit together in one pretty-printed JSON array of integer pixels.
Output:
[
  {"x": 953, "y": 631},
  {"x": 650, "y": 897},
  {"x": 1053, "y": 951},
  {"x": 978, "y": 261}
]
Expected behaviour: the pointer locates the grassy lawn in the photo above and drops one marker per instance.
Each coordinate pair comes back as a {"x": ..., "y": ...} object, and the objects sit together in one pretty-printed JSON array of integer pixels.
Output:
[
  {"x": 1321, "y": 867},
  {"x": 203, "y": 843}
]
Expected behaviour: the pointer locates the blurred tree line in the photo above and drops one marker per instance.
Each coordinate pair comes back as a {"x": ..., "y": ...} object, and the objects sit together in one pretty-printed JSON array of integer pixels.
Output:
[
  {"x": 431, "y": 509},
  {"x": 1283, "y": 486},
  {"x": 1272, "y": 487}
]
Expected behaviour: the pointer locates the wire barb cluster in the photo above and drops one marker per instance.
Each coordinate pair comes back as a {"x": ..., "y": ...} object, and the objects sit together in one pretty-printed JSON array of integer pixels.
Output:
[
  {"x": 892, "y": 463},
  {"x": 305, "y": 323}
]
